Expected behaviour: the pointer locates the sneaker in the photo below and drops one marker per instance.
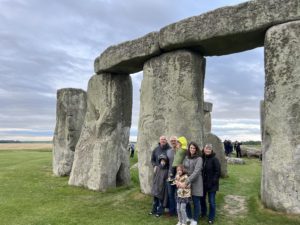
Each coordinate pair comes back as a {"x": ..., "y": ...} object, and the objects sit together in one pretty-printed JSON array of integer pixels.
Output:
[
  {"x": 210, "y": 221},
  {"x": 188, "y": 220},
  {"x": 157, "y": 215},
  {"x": 150, "y": 213},
  {"x": 193, "y": 222}
]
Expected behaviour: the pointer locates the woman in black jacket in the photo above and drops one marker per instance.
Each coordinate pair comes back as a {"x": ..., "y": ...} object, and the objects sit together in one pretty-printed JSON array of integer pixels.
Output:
[{"x": 211, "y": 174}]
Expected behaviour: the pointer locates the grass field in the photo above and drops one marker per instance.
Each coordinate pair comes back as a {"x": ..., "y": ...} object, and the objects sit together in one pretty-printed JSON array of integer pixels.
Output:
[{"x": 30, "y": 194}]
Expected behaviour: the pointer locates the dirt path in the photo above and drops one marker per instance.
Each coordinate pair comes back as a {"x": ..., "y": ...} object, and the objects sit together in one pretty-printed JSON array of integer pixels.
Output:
[{"x": 235, "y": 205}]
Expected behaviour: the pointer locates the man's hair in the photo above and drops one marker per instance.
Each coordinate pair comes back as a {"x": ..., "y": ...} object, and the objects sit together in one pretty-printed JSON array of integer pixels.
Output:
[{"x": 173, "y": 137}]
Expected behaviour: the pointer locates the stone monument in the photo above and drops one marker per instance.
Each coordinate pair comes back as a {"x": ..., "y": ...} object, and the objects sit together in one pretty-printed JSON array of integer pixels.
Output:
[
  {"x": 70, "y": 113},
  {"x": 172, "y": 95},
  {"x": 101, "y": 158}
]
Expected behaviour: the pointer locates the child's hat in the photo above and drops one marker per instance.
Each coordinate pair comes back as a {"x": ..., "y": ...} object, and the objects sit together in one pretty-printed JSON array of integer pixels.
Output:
[{"x": 182, "y": 140}]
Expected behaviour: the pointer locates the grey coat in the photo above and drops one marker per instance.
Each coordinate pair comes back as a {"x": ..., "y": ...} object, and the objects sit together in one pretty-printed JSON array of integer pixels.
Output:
[
  {"x": 170, "y": 155},
  {"x": 194, "y": 171},
  {"x": 159, "y": 182}
]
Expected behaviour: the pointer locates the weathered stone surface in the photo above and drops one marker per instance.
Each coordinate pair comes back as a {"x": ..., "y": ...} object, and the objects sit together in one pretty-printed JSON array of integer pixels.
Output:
[
  {"x": 70, "y": 112},
  {"x": 207, "y": 122},
  {"x": 101, "y": 158},
  {"x": 128, "y": 57},
  {"x": 207, "y": 107},
  {"x": 218, "y": 148},
  {"x": 238, "y": 161},
  {"x": 262, "y": 118},
  {"x": 280, "y": 188},
  {"x": 171, "y": 104},
  {"x": 251, "y": 152},
  {"x": 229, "y": 29}
]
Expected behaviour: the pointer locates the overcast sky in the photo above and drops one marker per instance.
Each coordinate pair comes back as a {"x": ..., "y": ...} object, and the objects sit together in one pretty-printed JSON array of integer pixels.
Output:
[{"x": 48, "y": 45}]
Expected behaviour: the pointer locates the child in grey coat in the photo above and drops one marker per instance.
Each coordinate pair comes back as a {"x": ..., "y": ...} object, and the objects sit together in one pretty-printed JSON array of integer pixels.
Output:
[{"x": 159, "y": 190}]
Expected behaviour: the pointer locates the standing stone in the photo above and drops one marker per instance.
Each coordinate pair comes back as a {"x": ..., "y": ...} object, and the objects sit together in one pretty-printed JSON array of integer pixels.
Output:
[
  {"x": 218, "y": 148},
  {"x": 101, "y": 159},
  {"x": 280, "y": 189},
  {"x": 171, "y": 104},
  {"x": 207, "y": 116},
  {"x": 262, "y": 118},
  {"x": 70, "y": 112},
  {"x": 238, "y": 161}
]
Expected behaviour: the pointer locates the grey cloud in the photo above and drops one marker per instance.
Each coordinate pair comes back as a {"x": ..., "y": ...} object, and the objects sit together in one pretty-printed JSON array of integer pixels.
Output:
[
  {"x": 236, "y": 84},
  {"x": 51, "y": 45}
]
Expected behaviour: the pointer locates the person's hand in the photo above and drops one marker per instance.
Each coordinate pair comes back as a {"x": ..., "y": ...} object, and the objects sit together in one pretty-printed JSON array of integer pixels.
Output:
[{"x": 182, "y": 185}]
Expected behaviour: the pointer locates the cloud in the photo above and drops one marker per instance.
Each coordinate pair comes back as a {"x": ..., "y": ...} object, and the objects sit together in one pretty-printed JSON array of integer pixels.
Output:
[
  {"x": 235, "y": 84},
  {"x": 237, "y": 129}
]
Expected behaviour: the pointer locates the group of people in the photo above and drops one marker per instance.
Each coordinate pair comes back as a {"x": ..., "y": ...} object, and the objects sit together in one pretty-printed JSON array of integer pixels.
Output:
[
  {"x": 184, "y": 176},
  {"x": 228, "y": 146}
]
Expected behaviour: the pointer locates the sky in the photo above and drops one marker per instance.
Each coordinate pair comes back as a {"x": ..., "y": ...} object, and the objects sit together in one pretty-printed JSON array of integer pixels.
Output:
[{"x": 48, "y": 45}]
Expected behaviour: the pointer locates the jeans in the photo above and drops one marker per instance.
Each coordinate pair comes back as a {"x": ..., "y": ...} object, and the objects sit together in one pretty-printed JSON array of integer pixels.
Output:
[
  {"x": 212, "y": 205},
  {"x": 171, "y": 198},
  {"x": 181, "y": 209},
  {"x": 157, "y": 206},
  {"x": 196, "y": 203}
]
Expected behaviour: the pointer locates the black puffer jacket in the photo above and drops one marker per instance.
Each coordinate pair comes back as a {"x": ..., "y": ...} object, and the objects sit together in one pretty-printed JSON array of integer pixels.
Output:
[{"x": 211, "y": 172}]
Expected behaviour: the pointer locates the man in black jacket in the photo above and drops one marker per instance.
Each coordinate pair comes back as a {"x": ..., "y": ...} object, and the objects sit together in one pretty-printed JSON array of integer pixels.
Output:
[
  {"x": 162, "y": 148},
  {"x": 237, "y": 147}
]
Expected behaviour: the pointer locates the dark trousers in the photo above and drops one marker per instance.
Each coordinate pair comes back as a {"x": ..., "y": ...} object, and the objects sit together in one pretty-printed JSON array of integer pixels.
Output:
[
  {"x": 157, "y": 206},
  {"x": 131, "y": 154},
  {"x": 238, "y": 154},
  {"x": 171, "y": 198},
  {"x": 212, "y": 205},
  {"x": 196, "y": 203},
  {"x": 227, "y": 153}
]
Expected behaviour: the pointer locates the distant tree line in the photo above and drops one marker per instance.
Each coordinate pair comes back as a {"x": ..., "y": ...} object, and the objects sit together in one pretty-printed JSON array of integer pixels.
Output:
[
  {"x": 9, "y": 141},
  {"x": 252, "y": 142}
]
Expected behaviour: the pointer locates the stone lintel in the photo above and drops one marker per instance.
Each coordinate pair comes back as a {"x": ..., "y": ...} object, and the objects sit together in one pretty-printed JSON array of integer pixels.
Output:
[
  {"x": 128, "y": 57},
  {"x": 229, "y": 29},
  {"x": 222, "y": 31}
]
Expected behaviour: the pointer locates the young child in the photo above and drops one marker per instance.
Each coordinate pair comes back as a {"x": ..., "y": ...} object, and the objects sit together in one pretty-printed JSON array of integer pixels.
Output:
[
  {"x": 183, "y": 194},
  {"x": 159, "y": 185}
]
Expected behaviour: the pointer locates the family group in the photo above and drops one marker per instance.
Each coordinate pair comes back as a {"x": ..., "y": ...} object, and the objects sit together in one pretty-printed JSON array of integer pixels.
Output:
[{"x": 185, "y": 176}]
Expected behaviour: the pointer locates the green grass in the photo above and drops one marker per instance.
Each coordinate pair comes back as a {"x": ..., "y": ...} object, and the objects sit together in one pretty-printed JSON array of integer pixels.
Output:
[{"x": 30, "y": 194}]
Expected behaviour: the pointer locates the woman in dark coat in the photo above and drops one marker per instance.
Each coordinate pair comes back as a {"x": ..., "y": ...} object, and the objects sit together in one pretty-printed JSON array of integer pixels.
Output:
[{"x": 211, "y": 174}]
